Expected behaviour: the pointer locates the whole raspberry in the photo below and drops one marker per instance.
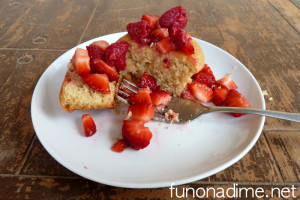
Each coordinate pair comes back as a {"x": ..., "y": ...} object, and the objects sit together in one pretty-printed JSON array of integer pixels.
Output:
[
  {"x": 176, "y": 14},
  {"x": 115, "y": 55},
  {"x": 140, "y": 32}
]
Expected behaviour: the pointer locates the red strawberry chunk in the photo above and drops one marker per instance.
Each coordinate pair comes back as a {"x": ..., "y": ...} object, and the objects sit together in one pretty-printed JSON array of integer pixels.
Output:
[
  {"x": 81, "y": 61},
  {"x": 194, "y": 76},
  {"x": 220, "y": 94},
  {"x": 187, "y": 95},
  {"x": 94, "y": 53},
  {"x": 152, "y": 19},
  {"x": 165, "y": 46},
  {"x": 176, "y": 14},
  {"x": 136, "y": 134},
  {"x": 100, "y": 67},
  {"x": 201, "y": 92},
  {"x": 205, "y": 79},
  {"x": 88, "y": 125},
  {"x": 227, "y": 82},
  {"x": 159, "y": 34},
  {"x": 140, "y": 32},
  {"x": 236, "y": 99},
  {"x": 189, "y": 49},
  {"x": 98, "y": 82},
  {"x": 101, "y": 44},
  {"x": 205, "y": 70},
  {"x": 143, "y": 96},
  {"x": 148, "y": 81},
  {"x": 178, "y": 36},
  {"x": 160, "y": 98},
  {"x": 119, "y": 146},
  {"x": 115, "y": 55},
  {"x": 141, "y": 112}
]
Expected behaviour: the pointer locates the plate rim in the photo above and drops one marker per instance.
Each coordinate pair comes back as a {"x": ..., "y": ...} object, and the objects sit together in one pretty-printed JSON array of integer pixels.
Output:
[{"x": 160, "y": 184}]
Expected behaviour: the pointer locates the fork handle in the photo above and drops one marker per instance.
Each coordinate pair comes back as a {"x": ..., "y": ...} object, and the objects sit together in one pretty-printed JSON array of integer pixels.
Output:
[{"x": 281, "y": 115}]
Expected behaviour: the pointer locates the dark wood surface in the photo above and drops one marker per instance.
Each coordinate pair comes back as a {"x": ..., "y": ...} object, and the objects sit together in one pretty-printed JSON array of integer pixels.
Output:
[{"x": 264, "y": 35}]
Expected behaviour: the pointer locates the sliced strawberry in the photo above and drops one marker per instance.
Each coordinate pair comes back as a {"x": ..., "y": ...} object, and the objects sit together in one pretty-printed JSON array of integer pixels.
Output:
[
  {"x": 141, "y": 112},
  {"x": 88, "y": 125},
  {"x": 94, "y": 53},
  {"x": 187, "y": 95},
  {"x": 148, "y": 81},
  {"x": 227, "y": 82},
  {"x": 119, "y": 146},
  {"x": 201, "y": 92},
  {"x": 220, "y": 94},
  {"x": 152, "y": 19},
  {"x": 115, "y": 55},
  {"x": 189, "y": 49},
  {"x": 159, "y": 34},
  {"x": 165, "y": 46},
  {"x": 205, "y": 79},
  {"x": 136, "y": 134},
  {"x": 98, "y": 82},
  {"x": 100, "y": 67},
  {"x": 236, "y": 99},
  {"x": 81, "y": 61},
  {"x": 160, "y": 98},
  {"x": 194, "y": 76},
  {"x": 101, "y": 44},
  {"x": 143, "y": 96}
]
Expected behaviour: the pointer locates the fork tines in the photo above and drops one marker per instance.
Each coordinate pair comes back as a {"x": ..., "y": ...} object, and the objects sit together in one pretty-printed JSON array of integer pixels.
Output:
[{"x": 125, "y": 84}]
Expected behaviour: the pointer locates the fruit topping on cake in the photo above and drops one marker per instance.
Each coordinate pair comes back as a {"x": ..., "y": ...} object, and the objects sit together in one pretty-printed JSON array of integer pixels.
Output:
[{"x": 88, "y": 125}]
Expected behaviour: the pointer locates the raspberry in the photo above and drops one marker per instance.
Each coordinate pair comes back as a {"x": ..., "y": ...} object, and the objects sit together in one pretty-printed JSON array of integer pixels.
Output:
[
  {"x": 115, "y": 55},
  {"x": 140, "y": 32},
  {"x": 176, "y": 14}
]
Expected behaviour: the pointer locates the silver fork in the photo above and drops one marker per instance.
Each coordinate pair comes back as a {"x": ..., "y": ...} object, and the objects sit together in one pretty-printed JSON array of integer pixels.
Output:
[{"x": 191, "y": 109}]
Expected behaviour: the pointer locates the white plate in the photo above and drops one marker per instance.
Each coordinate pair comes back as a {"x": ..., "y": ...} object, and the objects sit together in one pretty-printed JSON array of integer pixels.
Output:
[{"x": 177, "y": 154}]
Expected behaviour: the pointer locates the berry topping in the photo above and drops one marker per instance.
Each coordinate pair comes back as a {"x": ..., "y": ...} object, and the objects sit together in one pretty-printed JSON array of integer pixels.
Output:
[
  {"x": 141, "y": 112},
  {"x": 136, "y": 134},
  {"x": 176, "y": 14},
  {"x": 159, "y": 34},
  {"x": 101, "y": 44},
  {"x": 88, "y": 125},
  {"x": 220, "y": 94},
  {"x": 148, "y": 81},
  {"x": 227, "y": 82},
  {"x": 206, "y": 76},
  {"x": 98, "y": 82},
  {"x": 189, "y": 49},
  {"x": 178, "y": 36},
  {"x": 115, "y": 55},
  {"x": 81, "y": 61},
  {"x": 119, "y": 146},
  {"x": 165, "y": 46},
  {"x": 201, "y": 92},
  {"x": 160, "y": 98},
  {"x": 236, "y": 99},
  {"x": 94, "y": 53},
  {"x": 187, "y": 95},
  {"x": 143, "y": 96},
  {"x": 140, "y": 32},
  {"x": 152, "y": 19},
  {"x": 100, "y": 67}
]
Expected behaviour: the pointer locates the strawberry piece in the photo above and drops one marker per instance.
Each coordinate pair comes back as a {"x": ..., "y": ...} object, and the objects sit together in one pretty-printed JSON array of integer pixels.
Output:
[
  {"x": 236, "y": 99},
  {"x": 143, "y": 96},
  {"x": 88, "y": 125},
  {"x": 220, "y": 94},
  {"x": 159, "y": 34},
  {"x": 81, "y": 61},
  {"x": 136, "y": 134},
  {"x": 148, "y": 81},
  {"x": 201, "y": 92},
  {"x": 119, "y": 146},
  {"x": 152, "y": 19},
  {"x": 141, "y": 112},
  {"x": 187, "y": 95},
  {"x": 101, "y": 44},
  {"x": 115, "y": 55},
  {"x": 194, "y": 76},
  {"x": 160, "y": 98},
  {"x": 94, "y": 53},
  {"x": 100, "y": 67},
  {"x": 140, "y": 32},
  {"x": 206, "y": 79},
  {"x": 227, "y": 82},
  {"x": 165, "y": 46},
  {"x": 176, "y": 14},
  {"x": 98, "y": 82},
  {"x": 178, "y": 36},
  {"x": 189, "y": 49}
]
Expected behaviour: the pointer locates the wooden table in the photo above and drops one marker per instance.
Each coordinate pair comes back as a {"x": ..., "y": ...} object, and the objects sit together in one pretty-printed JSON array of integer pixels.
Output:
[{"x": 264, "y": 35}]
